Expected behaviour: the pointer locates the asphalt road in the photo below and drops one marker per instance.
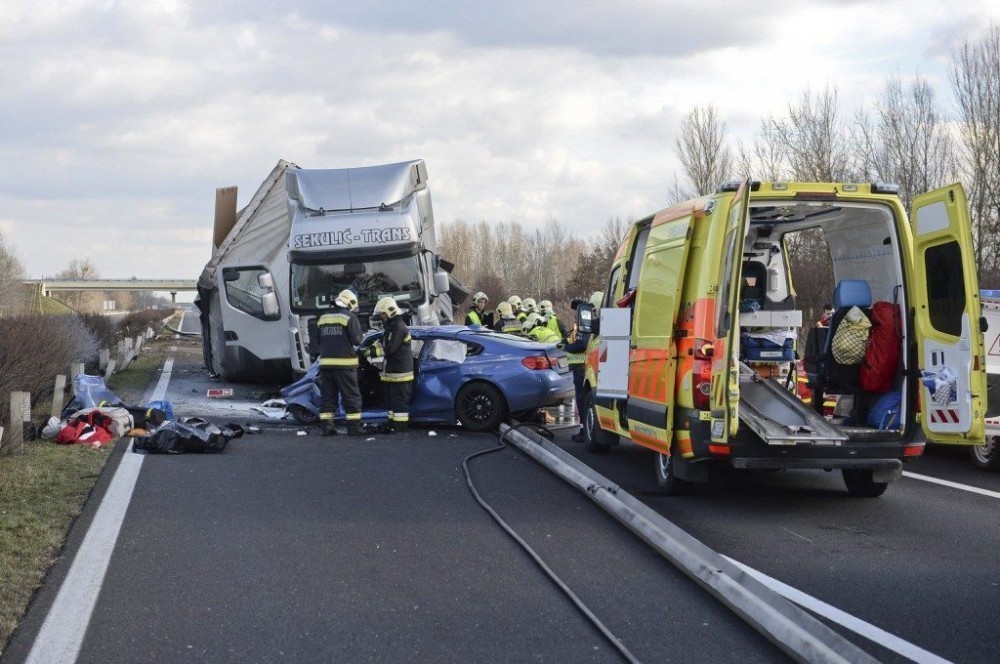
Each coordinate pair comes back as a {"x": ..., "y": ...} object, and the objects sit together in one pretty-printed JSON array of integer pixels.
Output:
[{"x": 303, "y": 548}]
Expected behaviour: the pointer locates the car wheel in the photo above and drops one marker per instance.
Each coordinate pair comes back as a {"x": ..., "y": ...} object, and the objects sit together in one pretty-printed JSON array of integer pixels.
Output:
[
  {"x": 861, "y": 485},
  {"x": 302, "y": 415},
  {"x": 987, "y": 456},
  {"x": 598, "y": 440},
  {"x": 668, "y": 483},
  {"x": 480, "y": 407}
]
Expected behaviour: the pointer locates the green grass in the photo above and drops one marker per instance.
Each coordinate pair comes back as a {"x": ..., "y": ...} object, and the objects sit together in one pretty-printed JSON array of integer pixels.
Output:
[
  {"x": 50, "y": 305},
  {"x": 43, "y": 488}
]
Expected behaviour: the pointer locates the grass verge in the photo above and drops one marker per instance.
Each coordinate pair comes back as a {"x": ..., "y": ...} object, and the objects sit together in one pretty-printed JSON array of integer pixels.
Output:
[{"x": 43, "y": 488}]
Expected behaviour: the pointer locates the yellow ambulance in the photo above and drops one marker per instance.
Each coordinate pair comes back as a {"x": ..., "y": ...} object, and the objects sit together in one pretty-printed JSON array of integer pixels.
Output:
[{"x": 695, "y": 346}]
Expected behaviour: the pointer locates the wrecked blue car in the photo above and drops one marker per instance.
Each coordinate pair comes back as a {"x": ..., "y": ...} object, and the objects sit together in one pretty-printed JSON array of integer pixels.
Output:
[{"x": 470, "y": 375}]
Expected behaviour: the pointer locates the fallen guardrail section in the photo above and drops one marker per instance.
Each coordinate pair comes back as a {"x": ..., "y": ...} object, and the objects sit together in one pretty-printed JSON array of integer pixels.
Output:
[{"x": 788, "y": 626}]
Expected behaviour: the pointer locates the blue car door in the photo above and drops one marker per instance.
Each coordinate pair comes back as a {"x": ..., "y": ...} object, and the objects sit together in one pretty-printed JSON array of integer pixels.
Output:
[{"x": 439, "y": 377}]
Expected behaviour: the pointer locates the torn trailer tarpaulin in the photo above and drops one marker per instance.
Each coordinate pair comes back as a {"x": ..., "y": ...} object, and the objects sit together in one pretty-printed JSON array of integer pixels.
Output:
[{"x": 187, "y": 434}]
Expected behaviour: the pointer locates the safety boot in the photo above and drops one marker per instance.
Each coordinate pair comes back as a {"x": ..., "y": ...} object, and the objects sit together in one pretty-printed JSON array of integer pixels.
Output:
[
  {"x": 355, "y": 429},
  {"x": 329, "y": 429},
  {"x": 400, "y": 427}
]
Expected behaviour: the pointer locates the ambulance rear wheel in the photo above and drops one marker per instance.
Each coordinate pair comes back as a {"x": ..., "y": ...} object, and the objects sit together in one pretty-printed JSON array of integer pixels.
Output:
[
  {"x": 861, "y": 485},
  {"x": 666, "y": 481},
  {"x": 987, "y": 456},
  {"x": 598, "y": 440}
]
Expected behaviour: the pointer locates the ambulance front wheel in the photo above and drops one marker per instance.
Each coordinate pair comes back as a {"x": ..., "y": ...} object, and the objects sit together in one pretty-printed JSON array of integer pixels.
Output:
[
  {"x": 987, "y": 456},
  {"x": 861, "y": 485},
  {"x": 667, "y": 482},
  {"x": 598, "y": 440}
]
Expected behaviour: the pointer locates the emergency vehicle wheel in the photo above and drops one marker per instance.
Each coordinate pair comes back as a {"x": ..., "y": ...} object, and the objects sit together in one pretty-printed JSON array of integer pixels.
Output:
[
  {"x": 668, "y": 483},
  {"x": 987, "y": 456},
  {"x": 598, "y": 440},
  {"x": 480, "y": 407},
  {"x": 861, "y": 485}
]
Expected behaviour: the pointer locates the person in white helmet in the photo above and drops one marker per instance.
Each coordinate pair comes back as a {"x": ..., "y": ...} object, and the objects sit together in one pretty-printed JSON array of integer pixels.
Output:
[
  {"x": 477, "y": 314},
  {"x": 339, "y": 334},
  {"x": 515, "y": 304},
  {"x": 504, "y": 320},
  {"x": 397, "y": 375},
  {"x": 529, "y": 306},
  {"x": 551, "y": 320}
]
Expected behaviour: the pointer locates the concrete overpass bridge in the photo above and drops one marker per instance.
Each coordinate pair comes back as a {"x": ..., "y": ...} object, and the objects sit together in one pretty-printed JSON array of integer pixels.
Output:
[{"x": 173, "y": 286}]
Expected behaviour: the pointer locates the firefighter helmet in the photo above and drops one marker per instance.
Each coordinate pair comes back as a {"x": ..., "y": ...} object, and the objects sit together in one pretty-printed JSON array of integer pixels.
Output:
[
  {"x": 531, "y": 321},
  {"x": 528, "y": 304},
  {"x": 545, "y": 307},
  {"x": 515, "y": 302},
  {"x": 504, "y": 310},
  {"x": 387, "y": 306},
  {"x": 348, "y": 300},
  {"x": 480, "y": 296}
]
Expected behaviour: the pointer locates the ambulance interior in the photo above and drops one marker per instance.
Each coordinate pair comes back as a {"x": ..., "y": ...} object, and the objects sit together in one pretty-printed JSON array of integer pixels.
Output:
[{"x": 848, "y": 255}]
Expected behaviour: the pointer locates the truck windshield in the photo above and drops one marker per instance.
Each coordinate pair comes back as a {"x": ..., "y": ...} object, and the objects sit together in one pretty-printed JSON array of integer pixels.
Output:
[{"x": 314, "y": 287}]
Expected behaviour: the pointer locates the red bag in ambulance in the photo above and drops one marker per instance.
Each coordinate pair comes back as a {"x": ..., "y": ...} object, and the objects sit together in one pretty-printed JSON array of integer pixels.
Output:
[{"x": 882, "y": 355}]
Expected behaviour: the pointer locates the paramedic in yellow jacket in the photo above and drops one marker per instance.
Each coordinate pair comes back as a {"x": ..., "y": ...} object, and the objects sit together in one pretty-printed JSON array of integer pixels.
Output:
[
  {"x": 339, "y": 334},
  {"x": 397, "y": 374}
]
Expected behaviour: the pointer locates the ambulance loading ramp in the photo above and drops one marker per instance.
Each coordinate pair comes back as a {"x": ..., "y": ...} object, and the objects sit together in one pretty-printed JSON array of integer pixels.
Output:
[{"x": 778, "y": 416}]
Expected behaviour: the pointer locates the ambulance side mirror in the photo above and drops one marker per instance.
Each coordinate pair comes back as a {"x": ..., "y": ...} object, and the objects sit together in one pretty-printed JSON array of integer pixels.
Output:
[
  {"x": 585, "y": 319},
  {"x": 984, "y": 325}
]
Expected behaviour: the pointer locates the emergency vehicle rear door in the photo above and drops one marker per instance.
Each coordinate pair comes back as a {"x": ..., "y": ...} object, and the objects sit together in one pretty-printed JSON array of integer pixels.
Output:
[
  {"x": 725, "y": 362},
  {"x": 613, "y": 352},
  {"x": 653, "y": 360},
  {"x": 945, "y": 296}
]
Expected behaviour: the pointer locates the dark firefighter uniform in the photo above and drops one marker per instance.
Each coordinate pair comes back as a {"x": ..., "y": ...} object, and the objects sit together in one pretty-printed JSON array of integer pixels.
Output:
[
  {"x": 339, "y": 334},
  {"x": 398, "y": 372}
]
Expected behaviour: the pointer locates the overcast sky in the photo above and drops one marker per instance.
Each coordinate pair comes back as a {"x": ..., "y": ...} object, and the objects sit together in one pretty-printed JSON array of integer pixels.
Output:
[{"x": 119, "y": 119}]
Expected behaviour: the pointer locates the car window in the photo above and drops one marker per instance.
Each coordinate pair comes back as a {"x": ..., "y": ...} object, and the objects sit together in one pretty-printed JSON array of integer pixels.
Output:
[{"x": 448, "y": 350}]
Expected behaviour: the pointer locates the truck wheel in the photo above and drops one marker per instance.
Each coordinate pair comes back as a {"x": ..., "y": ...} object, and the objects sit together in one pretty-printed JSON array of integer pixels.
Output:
[
  {"x": 861, "y": 485},
  {"x": 598, "y": 440},
  {"x": 668, "y": 483},
  {"x": 480, "y": 407},
  {"x": 301, "y": 414},
  {"x": 987, "y": 456}
]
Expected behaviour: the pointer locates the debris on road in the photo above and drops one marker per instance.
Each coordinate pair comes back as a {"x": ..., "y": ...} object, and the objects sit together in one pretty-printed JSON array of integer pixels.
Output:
[{"x": 219, "y": 393}]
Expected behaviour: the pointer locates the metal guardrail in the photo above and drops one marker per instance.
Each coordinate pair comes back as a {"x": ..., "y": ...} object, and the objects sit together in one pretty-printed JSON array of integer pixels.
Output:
[{"x": 785, "y": 624}]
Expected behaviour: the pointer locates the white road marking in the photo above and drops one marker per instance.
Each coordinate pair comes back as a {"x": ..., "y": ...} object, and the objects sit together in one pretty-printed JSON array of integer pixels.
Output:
[
  {"x": 953, "y": 485},
  {"x": 832, "y": 613},
  {"x": 62, "y": 633}
]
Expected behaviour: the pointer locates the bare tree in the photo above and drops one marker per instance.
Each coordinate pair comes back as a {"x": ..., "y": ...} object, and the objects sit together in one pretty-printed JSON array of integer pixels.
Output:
[
  {"x": 591, "y": 273},
  {"x": 905, "y": 140},
  {"x": 814, "y": 139},
  {"x": 975, "y": 78},
  {"x": 766, "y": 159},
  {"x": 701, "y": 147},
  {"x": 81, "y": 300},
  {"x": 11, "y": 276}
]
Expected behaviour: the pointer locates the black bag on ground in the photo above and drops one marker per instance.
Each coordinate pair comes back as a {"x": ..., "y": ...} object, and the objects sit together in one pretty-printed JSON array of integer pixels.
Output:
[{"x": 187, "y": 434}]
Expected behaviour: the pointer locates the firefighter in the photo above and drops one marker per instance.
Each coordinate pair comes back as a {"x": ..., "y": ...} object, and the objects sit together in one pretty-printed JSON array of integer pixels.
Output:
[
  {"x": 339, "y": 334},
  {"x": 477, "y": 314},
  {"x": 529, "y": 306},
  {"x": 553, "y": 322},
  {"x": 576, "y": 348},
  {"x": 397, "y": 374},
  {"x": 504, "y": 320},
  {"x": 535, "y": 328},
  {"x": 515, "y": 304}
]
